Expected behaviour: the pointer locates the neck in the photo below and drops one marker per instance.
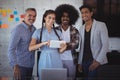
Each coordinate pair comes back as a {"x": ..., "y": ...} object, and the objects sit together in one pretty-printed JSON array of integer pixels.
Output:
[
  {"x": 48, "y": 28},
  {"x": 29, "y": 26},
  {"x": 89, "y": 23},
  {"x": 64, "y": 27}
]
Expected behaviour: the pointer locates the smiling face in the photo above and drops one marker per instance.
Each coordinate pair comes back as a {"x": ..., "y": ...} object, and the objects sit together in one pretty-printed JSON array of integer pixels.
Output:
[
  {"x": 30, "y": 17},
  {"x": 49, "y": 20},
  {"x": 86, "y": 14},
  {"x": 65, "y": 19}
]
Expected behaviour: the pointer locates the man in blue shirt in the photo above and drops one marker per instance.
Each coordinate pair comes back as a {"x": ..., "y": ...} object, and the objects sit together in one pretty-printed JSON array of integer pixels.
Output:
[{"x": 21, "y": 59}]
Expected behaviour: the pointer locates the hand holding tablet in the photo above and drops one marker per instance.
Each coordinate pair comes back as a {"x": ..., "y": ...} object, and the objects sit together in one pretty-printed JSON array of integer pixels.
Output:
[{"x": 55, "y": 43}]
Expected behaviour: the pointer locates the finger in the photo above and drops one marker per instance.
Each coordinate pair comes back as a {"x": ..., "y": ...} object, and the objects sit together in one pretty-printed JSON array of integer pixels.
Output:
[
  {"x": 61, "y": 45},
  {"x": 90, "y": 68},
  {"x": 48, "y": 43},
  {"x": 15, "y": 78},
  {"x": 15, "y": 75},
  {"x": 19, "y": 76}
]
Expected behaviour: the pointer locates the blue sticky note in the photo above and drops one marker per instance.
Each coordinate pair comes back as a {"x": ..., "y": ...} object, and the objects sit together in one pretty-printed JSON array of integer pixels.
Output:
[
  {"x": 0, "y": 22},
  {"x": 17, "y": 19},
  {"x": 15, "y": 12}
]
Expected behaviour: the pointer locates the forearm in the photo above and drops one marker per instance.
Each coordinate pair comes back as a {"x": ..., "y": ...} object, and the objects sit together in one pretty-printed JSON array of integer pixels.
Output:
[
  {"x": 74, "y": 42},
  {"x": 34, "y": 47},
  {"x": 72, "y": 45}
]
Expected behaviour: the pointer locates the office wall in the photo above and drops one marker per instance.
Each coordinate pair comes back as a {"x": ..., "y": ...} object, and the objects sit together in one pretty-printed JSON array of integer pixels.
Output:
[
  {"x": 11, "y": 12},
  {"x": 10, "y": 8},
  {"x": 42, "y": 5}
]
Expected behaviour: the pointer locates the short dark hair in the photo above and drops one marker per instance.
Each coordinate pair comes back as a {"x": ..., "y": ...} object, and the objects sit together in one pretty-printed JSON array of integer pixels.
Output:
[
  {"x": 86, "y": 6},
  {"x": 33, "y": 9}
]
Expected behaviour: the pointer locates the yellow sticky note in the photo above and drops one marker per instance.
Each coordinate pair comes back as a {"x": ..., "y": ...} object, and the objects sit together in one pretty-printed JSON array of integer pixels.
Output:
[
  {"x": 0, "y": 10},
  {"x": 10, "y": 19},
  {"x": 4, "y": 14},
  {"x": 9, "y": 11},
  {"x": 3, "y": 10}
]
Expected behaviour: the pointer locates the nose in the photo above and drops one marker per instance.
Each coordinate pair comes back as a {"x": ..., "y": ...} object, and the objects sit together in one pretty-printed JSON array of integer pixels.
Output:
[{"x": 32, "y": 17}]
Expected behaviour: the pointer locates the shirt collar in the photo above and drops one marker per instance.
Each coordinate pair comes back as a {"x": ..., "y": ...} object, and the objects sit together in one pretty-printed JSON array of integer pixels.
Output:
[
  {"x": 66, "y": 30},
  {"x": 26, "y": 26}
]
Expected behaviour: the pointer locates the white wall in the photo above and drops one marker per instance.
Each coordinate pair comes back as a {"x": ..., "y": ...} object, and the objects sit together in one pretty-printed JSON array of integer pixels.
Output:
[
  {"x": 20, "y": 6},
  {"x": 114, "y": 43},
  {"x": 42, "y": 5}
]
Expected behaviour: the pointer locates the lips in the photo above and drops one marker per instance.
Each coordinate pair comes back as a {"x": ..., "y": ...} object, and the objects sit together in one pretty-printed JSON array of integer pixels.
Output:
[
  {"x": 65, "y": 21},
  {"x": 85, "y": 18},
  {"x": 31, "y": 21}
]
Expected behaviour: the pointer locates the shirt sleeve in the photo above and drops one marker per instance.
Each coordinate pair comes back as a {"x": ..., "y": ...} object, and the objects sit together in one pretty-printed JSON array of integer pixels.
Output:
[
  {"x": 105, "y": 43},
  {"x": 74, "y": 43},
  {"x": 36, "y": 34},
  {"x": 14, "y": 41}
]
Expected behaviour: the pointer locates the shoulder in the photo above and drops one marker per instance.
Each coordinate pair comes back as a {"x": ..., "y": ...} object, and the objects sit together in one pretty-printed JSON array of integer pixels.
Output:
[
  {"x": 37, "y": 31},
  {"x": 18, "y": 28},
  {"x": 36, "y": 34},
  {"x": 98, "y": 22},
  {"x": 34, "y": 27},
  {"x": 74, "y": 29},
  {"x": 100, "y": 25},
  {"x": 57, "y": 28}
]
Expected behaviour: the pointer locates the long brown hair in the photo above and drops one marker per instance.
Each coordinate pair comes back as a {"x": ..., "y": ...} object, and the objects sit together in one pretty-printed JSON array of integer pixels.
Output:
[{"x": 47, "y": 12}]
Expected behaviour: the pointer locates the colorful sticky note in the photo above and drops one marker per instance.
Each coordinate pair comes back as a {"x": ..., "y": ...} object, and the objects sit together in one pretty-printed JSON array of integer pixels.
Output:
[
  {"x": 22, "y": 16},
  {"x": 0, "y": 10},
  {"x": 15, "y": 12},
  {"x": 4, "y": 26},
  {"x": 10, "y": 19},
  {"x": 17, "y": 19},
  {"x": 4, "y": 14},
  {"x": 9, "y": 11},
  {"x": 11, "y": 16},
  {"x": 0, "y": 22},
  {"x": 3, "y": 10}
]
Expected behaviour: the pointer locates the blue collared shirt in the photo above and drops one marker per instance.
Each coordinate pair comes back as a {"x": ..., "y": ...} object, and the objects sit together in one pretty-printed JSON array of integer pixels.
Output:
[{"x": 18, "y": 52}]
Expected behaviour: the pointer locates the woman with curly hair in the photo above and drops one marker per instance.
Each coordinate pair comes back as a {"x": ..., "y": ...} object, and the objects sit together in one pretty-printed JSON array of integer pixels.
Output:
[{"x": 66, "y": 16}]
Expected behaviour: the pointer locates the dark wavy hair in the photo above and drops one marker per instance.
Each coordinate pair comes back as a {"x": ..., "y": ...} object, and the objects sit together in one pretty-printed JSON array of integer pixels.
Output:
[
  {"x": 47, "y": 12},
  {"x": 71, "y": 10},
  {"x": 86, "y": 6}
]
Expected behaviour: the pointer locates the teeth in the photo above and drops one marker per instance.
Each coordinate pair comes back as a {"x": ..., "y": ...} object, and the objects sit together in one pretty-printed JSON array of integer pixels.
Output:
[
  {"x": 84, "y": 18},
  {"x": 65, "y": 21}
]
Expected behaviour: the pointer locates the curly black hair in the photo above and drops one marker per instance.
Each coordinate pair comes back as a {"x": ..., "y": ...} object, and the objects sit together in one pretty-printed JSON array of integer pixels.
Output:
[{"x": 71, "y": 10}]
